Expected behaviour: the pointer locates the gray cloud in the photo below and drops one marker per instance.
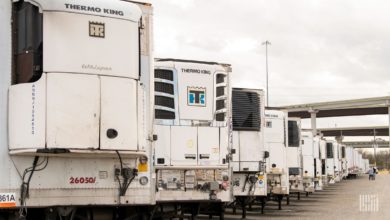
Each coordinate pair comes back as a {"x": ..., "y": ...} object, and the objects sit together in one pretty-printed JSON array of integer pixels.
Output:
[{"x": 321, "y": 49}]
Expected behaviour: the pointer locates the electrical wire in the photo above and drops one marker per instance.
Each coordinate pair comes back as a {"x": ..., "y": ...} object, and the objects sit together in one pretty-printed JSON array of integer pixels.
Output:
[
  {"x": 25, "y": 187},
  {"x": 126, "y": 181},
  {"x": 120, "y": 159}
]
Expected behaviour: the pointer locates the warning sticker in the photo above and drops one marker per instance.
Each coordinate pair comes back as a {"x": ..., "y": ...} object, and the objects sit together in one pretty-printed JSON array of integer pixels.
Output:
[
  {"x": 7, "y": 200},
  {"x": 142, "y": 167}
]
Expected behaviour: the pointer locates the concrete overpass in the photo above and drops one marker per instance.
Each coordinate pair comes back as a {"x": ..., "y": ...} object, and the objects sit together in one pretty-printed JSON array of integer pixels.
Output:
[
  {"x": 342, "y": 108},
  {"x": 367, "y": 144},
  {"x": 355, "y": 131}
]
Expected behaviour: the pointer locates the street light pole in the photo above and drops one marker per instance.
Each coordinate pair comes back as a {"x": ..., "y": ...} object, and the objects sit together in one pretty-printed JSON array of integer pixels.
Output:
[{"x": 266, "y": 43}]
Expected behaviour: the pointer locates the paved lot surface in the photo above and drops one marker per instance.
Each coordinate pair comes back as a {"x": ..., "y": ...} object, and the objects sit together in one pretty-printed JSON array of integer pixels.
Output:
[{"x": 344, "y": 200}]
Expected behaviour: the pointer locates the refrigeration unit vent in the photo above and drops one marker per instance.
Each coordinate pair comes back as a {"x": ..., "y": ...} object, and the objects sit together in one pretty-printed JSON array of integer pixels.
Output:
[
  {"x": 162, "y": 114},
  {"x": 163, "y": 87},
  {"x": 342, "y": 152},
  {"x": 293, "y": 134},
  {"x": 329, "y": 150},
  {"x": 163, "y": 74},
  {"x": 246, "y": 111},
  {"x": 221, "y": 98},
  {"x": 164, "y": 100},
  {"x": 293, "y": 170},
  {"x": 28, "y": 46}
]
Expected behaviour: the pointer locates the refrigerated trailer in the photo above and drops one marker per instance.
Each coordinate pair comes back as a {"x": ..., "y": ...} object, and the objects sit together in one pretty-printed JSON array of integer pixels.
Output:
[
  {"x": 318, "y": 184},
  {"x": 75, "y": 109},
  {"x": 337, "y": 161},
  {"x": 366, "y": 166},
  {"x": 308, "y": 161},
  {"x": 294, "y": 155},
  {"x": 323, "y": 159},
  {"x": 275, "y": 137},
  {"x": 249, "y": 182},
  {"x": 333, "y": 163},
  {"x": 330, "y": 164},
  {"x": 352, "y": 168},
  {"x": 360, "y": 163},
  {"x": 194, "y": 134},
  {"x": 343, "y": 161}
]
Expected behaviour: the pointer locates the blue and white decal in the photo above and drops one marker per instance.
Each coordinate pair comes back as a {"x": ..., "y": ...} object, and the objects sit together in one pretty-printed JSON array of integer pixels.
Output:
[{"x": 196, "y": 96}]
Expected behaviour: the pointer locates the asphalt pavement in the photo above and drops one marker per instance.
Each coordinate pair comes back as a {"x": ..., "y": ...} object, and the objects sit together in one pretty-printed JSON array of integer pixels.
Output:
[{"x": 353, "y": 199}]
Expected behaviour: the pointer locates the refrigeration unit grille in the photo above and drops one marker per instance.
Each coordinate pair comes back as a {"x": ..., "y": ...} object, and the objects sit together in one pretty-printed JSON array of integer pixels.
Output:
[
  {"x": 220, "y": 78},
  {"x": 163, "y": 74},
  {"x": 163, "y": 87},
  {"x": 329, "y": 150},
  {"x": 220, "y": 91},
  {"x": 163, "y": 114},
  {"x": 220, "y": 104},
  {"x": 164, "y": 100},
  {"x": 246, "y": 111},
  {"x": 293, "y": 134},
  {"x": 221, "y": 97},
  {"x": 293, "y": 170}
]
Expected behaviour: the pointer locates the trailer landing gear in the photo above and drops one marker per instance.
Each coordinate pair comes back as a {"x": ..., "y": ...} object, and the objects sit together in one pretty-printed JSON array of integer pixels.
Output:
[
  {"x": 280, "y": 198},
  {"x": 243, "y": 201}
]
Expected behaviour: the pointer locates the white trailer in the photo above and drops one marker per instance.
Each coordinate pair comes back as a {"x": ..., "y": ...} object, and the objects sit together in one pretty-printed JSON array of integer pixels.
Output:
[
  {"x": 194, "y": 133},
  {"x": 249, "y": 174},
  {"x": 360, "y": 164},
  {"x": 351, "y": 163},
  {"x": 356, "y": 161},
  {"x": 275, "y": 136},
  {"x": 343, "y": 161},
  {"x": 333, "y": 163},
  {"x": 330, "y": 164},
  {"x": 366, "y": 166},
  {"x": 337, "y": 161},
  {"x": 324, "y": 164},
  {"x": 318, "y": 184},
  {"x": 294, "y": 155},
  {"x": 308, "y": 161},
  {"x": 76, "y": 108}
]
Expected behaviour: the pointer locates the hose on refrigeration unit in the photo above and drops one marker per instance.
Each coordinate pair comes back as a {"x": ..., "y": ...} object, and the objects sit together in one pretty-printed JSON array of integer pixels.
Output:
[
  {"x": 127, "y": 174},
  {"x": 25, "y": 187},
  {"x": 246, "y": 180},
  {"x": 249, "y": 179}
]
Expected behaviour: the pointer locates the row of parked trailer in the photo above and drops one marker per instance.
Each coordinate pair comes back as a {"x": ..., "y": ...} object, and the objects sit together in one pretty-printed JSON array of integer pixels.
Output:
[{"x": 93, "y": 127}]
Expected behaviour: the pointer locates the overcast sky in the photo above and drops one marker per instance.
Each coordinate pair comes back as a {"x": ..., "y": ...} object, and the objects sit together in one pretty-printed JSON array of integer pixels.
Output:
[{"x": 321, "y": 50}]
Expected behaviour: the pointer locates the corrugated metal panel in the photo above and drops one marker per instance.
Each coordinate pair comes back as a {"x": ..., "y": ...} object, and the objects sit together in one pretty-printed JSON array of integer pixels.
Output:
[
  {"x": 293, "y": 134},
  {"x": 163, "y": 87},
  {"x": 246, "y": 111},
  {"x": 163, "y": 74},
  {"x": 329, "y": 150}
]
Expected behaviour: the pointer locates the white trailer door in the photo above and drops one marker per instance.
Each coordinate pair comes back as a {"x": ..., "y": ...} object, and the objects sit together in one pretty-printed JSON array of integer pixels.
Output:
[
  {"x": 163, "y": 144},
  {"x": 251, "y": 150},
  {"x": 73, "y": 111},
  {"x": 184, "y": 145},
  {"x": 118, "y": 129},
  {"x": 236, "y": 147},
  {"x": 208, "y": 146}
]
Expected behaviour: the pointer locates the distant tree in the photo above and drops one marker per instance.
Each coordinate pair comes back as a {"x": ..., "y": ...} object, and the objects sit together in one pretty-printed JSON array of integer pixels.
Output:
[{"x": 382, "y": 159}]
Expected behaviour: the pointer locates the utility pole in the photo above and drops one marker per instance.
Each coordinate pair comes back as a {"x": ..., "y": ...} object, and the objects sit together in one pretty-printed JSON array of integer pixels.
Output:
[{"x": 266, "y": 43}]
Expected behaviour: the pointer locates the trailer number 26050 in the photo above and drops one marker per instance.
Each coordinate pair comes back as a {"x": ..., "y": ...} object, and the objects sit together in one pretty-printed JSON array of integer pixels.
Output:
[{"x": 82, "y": 180}]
